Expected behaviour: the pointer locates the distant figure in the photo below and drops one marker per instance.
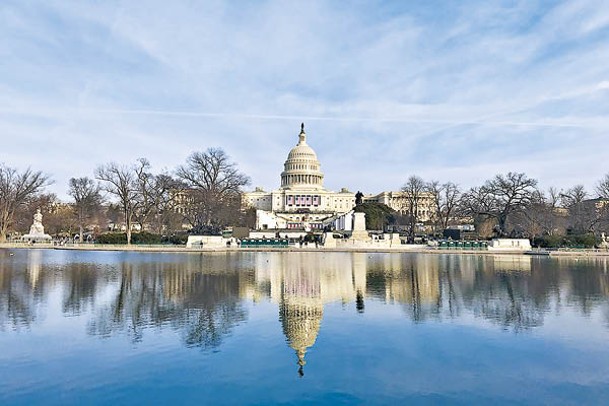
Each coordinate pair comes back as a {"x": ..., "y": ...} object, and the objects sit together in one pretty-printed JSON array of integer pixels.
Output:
[{"x": 358, "y": 198}]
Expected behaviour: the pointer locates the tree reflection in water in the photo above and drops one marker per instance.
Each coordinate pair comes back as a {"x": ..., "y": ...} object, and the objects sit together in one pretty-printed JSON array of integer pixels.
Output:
[
  {"x": 22, "y": 286},
  {"x": 203, "y": 297},
  {"x": 80, "y": 286},
  {"x": 202, "y": 306},
  {"x": 514, "y": 292}
]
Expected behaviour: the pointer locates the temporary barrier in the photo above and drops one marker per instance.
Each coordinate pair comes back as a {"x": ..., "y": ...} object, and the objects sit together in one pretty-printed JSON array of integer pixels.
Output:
[{"x": 264, "y": 243}]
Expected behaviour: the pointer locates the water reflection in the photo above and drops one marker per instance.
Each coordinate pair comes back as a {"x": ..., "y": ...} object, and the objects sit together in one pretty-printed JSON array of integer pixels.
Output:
[
  {"x": 203, "y": 297},
  {"x": 20, "y": 291},
  {"x": 199, "y": 297},
  {"x": 301, "y": 284}
]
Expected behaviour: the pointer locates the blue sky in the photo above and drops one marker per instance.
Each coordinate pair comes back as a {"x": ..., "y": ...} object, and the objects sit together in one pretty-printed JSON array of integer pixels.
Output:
[{"x": 446, "y": 90}]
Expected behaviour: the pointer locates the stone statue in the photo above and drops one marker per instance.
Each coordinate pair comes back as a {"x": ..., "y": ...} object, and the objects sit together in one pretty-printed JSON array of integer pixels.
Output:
[
  {"x": 358, "y": 198},
  {"x": 36, "y": 233},
  {"x": 37, "y": 228}
]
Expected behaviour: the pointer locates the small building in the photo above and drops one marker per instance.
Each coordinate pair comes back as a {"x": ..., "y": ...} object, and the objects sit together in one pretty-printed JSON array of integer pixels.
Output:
[{"x": 510, "y": 244}]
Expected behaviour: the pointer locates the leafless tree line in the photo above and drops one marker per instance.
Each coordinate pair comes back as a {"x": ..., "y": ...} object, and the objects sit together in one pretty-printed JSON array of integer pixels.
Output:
[
  {"x": 205, "y": 192},
  {"x": 509, "y": 205}
]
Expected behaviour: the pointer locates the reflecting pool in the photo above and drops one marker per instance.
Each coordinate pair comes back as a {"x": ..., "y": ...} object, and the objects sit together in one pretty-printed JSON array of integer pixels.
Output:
[{"x": 82, "y": 327}]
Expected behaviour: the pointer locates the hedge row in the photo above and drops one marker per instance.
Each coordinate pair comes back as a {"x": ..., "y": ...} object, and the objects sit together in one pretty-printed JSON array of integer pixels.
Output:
[
  {"x": 141, "y": 238},
  {"x": 568, "y": 241}
]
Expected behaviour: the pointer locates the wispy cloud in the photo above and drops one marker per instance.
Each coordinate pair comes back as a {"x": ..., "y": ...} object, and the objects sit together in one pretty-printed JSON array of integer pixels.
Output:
[{"x": 463, "y": 90}]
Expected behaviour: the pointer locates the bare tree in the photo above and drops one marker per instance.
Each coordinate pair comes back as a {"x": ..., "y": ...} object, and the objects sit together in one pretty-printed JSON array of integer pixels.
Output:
[
  {"x": 541, "y": 216},
  {"x": 446, "y": 198},
  {"x": 544, "y": 215},
  {"x": 165, "y": 203},
  {"x": 155, "y": 197},
  {"x": 120, "y": 182},
  {"x": 573, "y": 196},
  {"x": 87, "y": 200},
  {"x": 553, "y": 219},
  {"x": 216, "y": 184},
  {"x": 414, "y": 190},
  {"x": 151, "y": 201},
  {"x": 59, "y": 219},
  {"x": 582, "y": 216},
  {"x": 501, "y": 197},
  {"x": 479, "y": 203},
  {"x": 602, "y": 187},
  {"x": 144, "y": 201},
  {"x": 435, "y": 189},
  {"x": 16, "y": 190},
  {"x": 602, "y": 190},
  {"x": 553, "y": 197}
]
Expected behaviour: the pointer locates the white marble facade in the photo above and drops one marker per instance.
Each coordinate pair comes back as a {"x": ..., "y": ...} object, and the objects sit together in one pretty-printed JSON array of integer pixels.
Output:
[{"x": 301, "y": 202}]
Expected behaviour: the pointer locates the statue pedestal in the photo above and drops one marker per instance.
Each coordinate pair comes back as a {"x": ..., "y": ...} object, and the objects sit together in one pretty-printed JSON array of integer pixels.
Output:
[
  {"x": 329, "y": 241},
  {"x": 37, "y": 238},
  {"x": 359, "y": 227}
]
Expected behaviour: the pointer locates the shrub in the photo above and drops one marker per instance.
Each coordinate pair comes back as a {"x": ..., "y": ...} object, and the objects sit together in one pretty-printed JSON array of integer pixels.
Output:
[
  {"x": 145, "y": 238},
  {"x": 549, "y": 241},
  {"x": 570, "y": 241},
  {"x": 112, "y": 238},
  {"x": 583, "y": 240},
  {"x": 175, "y": 239},
  {"x": 136, "y": 238}
]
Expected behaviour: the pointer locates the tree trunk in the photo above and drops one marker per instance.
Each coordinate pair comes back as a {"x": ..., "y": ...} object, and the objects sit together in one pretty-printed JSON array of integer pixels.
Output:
[
  {"x": 80, "y": 225},
  {"x": 4, "y": 226},
  {"x": 502, "y": 220},
  {"x": 128, "y": 226}
]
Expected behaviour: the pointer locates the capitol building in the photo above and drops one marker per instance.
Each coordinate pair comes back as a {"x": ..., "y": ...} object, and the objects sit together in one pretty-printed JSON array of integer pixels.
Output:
[{"x": 301, "y": 202}]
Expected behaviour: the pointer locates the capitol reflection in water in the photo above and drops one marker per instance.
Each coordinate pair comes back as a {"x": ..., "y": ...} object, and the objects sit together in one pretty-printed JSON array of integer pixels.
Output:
[
  {"x": 204, "y": 298},
  {"x": 203, "y": 295}
]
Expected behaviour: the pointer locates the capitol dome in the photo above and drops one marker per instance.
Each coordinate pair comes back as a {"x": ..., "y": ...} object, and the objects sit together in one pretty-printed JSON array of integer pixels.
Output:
[
  {"x": 302, "y": 169},
  {"x": 301, "y": 320}
]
